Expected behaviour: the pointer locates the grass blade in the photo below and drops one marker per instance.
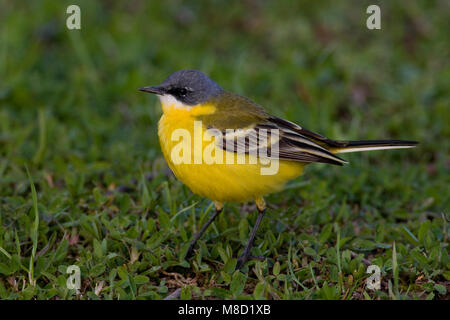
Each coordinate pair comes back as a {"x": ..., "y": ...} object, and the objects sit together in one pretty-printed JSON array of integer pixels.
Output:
[
  {"x": 34, "y": 230},
  {"x": 395, "y": 269}
]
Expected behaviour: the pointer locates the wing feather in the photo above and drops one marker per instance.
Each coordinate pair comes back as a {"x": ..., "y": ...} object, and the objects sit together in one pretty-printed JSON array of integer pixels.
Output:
[
  {"x": 294, "y": 142},
  {"x": 292, "y": 145}
]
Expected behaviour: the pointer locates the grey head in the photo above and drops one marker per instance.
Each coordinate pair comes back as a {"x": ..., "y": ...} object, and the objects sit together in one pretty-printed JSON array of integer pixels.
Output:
[{"x": 190, "y": 87}]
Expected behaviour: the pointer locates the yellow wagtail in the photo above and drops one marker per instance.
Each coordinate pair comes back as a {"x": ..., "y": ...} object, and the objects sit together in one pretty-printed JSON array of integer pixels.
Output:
[{"x": 193, "y": 105}]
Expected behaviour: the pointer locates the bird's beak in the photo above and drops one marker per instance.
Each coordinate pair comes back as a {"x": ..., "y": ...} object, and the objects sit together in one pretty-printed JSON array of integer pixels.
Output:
[{"x": 155, "y": 89}]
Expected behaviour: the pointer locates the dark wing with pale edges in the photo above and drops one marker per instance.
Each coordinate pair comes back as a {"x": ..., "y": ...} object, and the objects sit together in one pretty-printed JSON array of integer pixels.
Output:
[
  {"x": 292, "y": 145},
  {"x": 299, "y": 144},
  {"x": 251, "y": 123}
]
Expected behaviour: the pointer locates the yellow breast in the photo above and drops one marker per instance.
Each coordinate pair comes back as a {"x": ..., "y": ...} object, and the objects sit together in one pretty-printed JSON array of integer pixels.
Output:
[{"x": 187, "y": 147}]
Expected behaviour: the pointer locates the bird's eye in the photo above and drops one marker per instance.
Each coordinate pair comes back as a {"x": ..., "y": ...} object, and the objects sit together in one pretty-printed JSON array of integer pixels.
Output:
[
  {"x": 179, "y": 92},
  {"x": 182, "y": 92}
]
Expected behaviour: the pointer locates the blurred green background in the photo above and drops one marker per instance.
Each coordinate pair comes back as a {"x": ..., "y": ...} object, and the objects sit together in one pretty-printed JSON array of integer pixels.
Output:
[{"x": 70, "y": 112}]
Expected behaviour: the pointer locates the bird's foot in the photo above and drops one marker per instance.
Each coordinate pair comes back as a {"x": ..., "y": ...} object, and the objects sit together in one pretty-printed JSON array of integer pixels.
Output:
[
  {"x": 189, "y": 251},
  {"x": 245, "y": 257}
]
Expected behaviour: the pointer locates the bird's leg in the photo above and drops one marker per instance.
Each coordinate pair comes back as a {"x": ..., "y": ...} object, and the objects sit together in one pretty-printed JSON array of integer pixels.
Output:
[
  {"x": 219, "y": 208},
  {"x": 261, "y": 206}
]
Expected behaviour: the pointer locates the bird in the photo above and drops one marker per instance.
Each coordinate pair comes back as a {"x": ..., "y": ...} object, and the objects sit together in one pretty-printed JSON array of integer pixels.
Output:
[{"x": 200, "y": 121}]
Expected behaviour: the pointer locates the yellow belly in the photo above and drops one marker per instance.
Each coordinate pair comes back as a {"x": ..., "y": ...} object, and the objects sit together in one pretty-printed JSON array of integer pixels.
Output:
[{"x": 219, "y": 182}]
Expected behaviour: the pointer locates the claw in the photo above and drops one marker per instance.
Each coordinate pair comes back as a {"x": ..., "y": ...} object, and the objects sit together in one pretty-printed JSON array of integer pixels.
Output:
[
  {"x": 244, "y": 258},
  {"x": 189, "y": 252}
]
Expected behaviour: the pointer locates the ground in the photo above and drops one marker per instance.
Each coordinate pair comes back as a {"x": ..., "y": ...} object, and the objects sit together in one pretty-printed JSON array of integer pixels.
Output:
[{"x": 105, "y": 200}]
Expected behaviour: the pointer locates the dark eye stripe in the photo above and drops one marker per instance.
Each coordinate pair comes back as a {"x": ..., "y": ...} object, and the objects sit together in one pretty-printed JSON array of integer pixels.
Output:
[{"x": 179, "y": 92}]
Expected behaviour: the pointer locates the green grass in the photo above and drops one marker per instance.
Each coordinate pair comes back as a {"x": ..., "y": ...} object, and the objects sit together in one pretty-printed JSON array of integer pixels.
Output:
[{"x": 100, "y": 196}]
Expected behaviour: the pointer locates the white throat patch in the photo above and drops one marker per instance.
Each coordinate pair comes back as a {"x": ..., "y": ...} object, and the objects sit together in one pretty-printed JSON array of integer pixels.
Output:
[{"x": 168, "y": 100}]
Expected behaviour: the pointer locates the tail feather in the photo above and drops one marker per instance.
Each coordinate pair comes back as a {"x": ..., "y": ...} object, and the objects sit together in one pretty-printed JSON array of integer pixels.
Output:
[{"x": 368, "y": 145}]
